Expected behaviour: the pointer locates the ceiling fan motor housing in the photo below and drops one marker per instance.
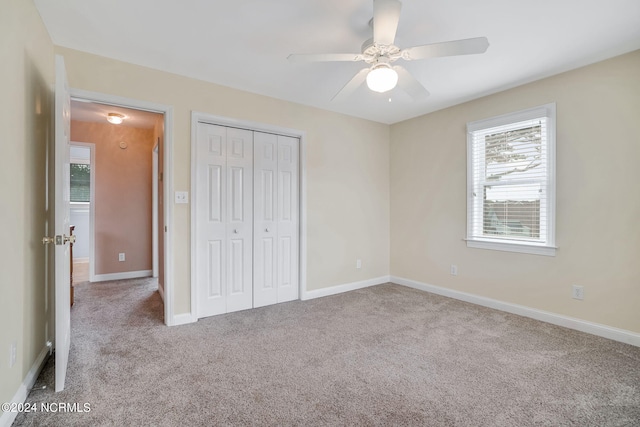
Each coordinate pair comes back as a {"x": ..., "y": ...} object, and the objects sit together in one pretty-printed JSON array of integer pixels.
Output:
[{"x": 373, "y": 53}]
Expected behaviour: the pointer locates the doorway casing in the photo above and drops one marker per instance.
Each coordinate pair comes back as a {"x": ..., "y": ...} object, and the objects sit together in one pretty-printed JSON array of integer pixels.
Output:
[{"x": 167, "y": 144}]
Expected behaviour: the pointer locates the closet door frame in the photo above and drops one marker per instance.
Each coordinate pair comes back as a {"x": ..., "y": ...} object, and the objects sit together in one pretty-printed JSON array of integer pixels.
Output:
[{"x": 200, "y": 117}]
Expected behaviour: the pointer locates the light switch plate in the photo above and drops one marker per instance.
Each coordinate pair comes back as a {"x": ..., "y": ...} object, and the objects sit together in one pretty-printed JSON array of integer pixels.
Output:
[{"x": 182, "y": 197}]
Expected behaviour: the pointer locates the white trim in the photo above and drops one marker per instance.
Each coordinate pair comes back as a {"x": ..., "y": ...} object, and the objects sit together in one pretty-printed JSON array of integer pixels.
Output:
[
  {"x": 338, "y": 289},
  {"x": 182, "y": 319},
  {"x": 167, "y": 178},
  {"x": 8, "y": 418},
  {"x": 511, "y": 246},
  {"x": 161, "y": 292},
  {"x": 122, "y": 276},
  {"x": 516, "y": 116},
  {"x": 193, "y": 309},
  {"x": 197, "y": 117},
  {"x": 154, "y": 210},
  {"x": 302, "y": 259},
  {"x": 616, "y": 334}
]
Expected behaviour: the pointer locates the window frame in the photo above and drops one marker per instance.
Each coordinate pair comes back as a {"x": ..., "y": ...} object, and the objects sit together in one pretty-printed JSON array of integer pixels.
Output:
[
  {"x": 548, "y": 246},
  {"x": 80, "y": 162}
]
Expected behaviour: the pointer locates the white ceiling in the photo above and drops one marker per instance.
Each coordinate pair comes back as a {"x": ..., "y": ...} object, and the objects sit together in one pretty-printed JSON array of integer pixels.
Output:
[{"x": 244, "y": 44}]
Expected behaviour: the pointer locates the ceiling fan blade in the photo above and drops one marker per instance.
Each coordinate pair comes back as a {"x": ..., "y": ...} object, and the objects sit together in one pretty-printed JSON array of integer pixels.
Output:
[
  {"x": 351, "y": 87},
  {"x": 457, "y": 47},
  {"x": 410, "y": 84},
  {"x": 323, "y": 57},
  {"x": 386, "y": 14}
]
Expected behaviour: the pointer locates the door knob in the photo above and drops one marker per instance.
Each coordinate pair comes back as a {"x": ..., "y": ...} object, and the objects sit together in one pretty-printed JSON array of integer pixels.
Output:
[
  {"x": 46, "y": 240},
  {"x": 266, "y": 229},
  {"x": 235, "y": 230},
  {"x": 59, "y": 239}
]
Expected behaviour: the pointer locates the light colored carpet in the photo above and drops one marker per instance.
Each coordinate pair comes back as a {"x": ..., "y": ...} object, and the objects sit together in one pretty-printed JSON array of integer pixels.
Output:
[{"x": 385, "y": 355}]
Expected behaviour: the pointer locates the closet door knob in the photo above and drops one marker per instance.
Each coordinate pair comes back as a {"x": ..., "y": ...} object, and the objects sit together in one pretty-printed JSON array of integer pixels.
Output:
[
  {"x": 266, "y": 229},
  {"x": 235, "y": 230}
]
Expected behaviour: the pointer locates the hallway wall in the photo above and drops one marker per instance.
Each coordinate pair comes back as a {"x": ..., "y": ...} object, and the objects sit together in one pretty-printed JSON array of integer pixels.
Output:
[{"x": 122, "y": 195}]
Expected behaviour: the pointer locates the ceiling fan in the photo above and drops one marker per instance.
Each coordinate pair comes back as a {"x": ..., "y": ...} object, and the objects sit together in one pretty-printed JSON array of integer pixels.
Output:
[{"x": 381, "y": 53}]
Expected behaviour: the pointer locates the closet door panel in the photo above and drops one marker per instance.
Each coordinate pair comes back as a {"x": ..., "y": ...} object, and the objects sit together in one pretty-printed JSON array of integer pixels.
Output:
[
  {"x": 265, "y": 233},
  {"x": 287, "y": 219},
  {"x": 210, "y": 219},
  {"x": 239, "y": 210}
]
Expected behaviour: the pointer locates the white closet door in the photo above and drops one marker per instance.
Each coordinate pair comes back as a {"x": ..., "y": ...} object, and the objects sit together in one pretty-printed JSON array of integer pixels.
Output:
[
  {"x": 239, "y": 219},
  {"x": 287, "y": 219},
  {"x": 275, "y": 275},
  {"x": 246, "y": 233},
  {"x": 211, "y": 216},
  {"x": 265, "y": 225},
  {"x": 224, "y": 219}
]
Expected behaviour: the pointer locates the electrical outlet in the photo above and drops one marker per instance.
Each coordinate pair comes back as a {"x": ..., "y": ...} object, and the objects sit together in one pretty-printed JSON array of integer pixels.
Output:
[
  {"x": 454, "y": 270},
  {"x": 13, "y": 354},
  {"x": 121, "y": 256},
  {"x": 577, "y": 292},
  {"x": 358, "y": 264},
  {"x": 182, "y": 197}
]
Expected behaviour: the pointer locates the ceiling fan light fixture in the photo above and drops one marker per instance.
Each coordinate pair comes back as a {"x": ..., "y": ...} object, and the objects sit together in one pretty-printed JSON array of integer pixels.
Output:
[
  {"x": 115, "y": 118},
  {"x": 382, "y": 78}
]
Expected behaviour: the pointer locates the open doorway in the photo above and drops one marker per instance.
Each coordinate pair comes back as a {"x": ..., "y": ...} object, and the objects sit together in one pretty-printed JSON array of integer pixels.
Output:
[
  {"x": 82, "y": 191},
  {"x": 116, "y": 174}
]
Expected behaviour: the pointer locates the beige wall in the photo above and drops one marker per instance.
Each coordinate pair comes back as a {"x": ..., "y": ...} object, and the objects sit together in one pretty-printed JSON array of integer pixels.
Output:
[
  {"x": 347, "y": 166},
  {"x": 598, "y": 201},
  {"x": 26, "y": 76},
  {"x": 123, "y": 194}
]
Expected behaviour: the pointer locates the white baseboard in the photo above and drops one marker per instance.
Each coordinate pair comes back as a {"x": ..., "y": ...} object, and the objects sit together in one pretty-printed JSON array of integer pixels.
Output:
[
  {"x": 621, "y": 335},
  {"x": 182, "y": 319},
  {"x": 161, "y": 292},
  {"x": 323, "y": 292},
  {"x": 8, "y": 418},
  {"x": 121, "y": 276}
]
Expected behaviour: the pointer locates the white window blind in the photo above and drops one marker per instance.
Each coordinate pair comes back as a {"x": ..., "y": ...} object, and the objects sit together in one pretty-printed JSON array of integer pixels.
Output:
[{"x": 511, "y": 188}]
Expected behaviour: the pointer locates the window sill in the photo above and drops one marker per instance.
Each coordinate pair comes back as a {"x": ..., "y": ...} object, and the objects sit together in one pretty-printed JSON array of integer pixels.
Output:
[{"x": 512, "y": 247}]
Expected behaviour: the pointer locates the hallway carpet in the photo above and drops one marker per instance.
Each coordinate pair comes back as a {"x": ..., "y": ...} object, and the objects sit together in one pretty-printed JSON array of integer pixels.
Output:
[{"x": 384, "y": 355}]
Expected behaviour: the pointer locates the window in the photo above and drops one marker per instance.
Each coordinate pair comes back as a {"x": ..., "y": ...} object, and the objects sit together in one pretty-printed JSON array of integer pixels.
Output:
[
  {"x": 80, "y": 182},
  {"x": 511, "y": 182}
]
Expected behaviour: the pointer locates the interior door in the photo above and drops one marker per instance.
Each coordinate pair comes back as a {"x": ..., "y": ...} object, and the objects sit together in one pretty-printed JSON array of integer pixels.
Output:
[{"x": 61, "y": 223}]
